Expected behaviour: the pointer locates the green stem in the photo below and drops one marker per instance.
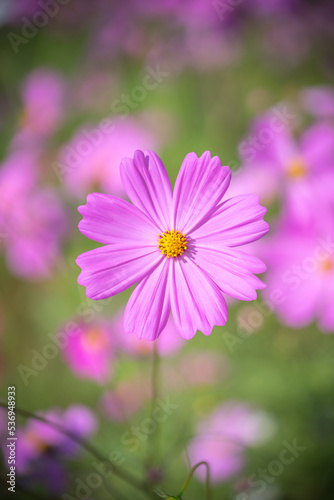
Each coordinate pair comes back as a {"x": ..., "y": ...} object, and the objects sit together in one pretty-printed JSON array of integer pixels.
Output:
[
  {"x": 84, "y": 444},
  {"x": 153, "y": 444},
  {"x": 207, "y": 482}
]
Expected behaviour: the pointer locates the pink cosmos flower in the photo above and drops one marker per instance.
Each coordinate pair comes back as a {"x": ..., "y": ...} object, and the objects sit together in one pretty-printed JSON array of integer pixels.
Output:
[
  {"x": 222, "y": 438},
  {"x": 301, "y": 273},
  {"x": 32, "y": 219},
  {"x": 275, "y": 163},
  {"x": 180, "y": 246},
  {"x": 93, "y": 155},
  {"x": 90, "y": 352},
  {"x": 43, "y": 95}
]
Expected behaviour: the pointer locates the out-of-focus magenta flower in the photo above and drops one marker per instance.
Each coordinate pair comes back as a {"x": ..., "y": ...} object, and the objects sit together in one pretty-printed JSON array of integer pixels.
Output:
[
  {"x": 225, "y": 458},
  {"x": 92, "y": 157},
  {"x": 126, "y": 399},
  {"x": 222, "y": 437},
  {"x": 302, "y": 172},
  {"x": 318, "y": 101},
  {"x": 89, "y": 351},
  {"x": 43, "y": 95},
  {"x": 179, "y": 246},
  {"x": 301, "y": 273},
  {"x": 13, "y": 11},
  {"x": 42, "y": 447},
  {"x": 32, "y": 219},
  {"x": 197, "y": 369},
  {"x": 266, "y": 8},
  {"x": 203, "y": 368},
  {"x": 168, "y": 34},
  {"x": 167, "y": 344},
  {"x": 238, "y": 422}
]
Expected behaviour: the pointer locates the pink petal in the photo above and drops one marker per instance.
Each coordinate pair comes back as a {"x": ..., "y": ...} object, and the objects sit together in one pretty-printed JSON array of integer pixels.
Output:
[
  {"x": 299, "y": 307},
  {"x": 200, "y": 185},
  {"x": 147, "y": 184},
  {"x": 232, "y": 270},
  {"x": 197, "y": 303},
  {"x": 107, "y": 219},
  {"x": 148, "y": 309},
  {"x": 112, "y": 269},
  {"x": 317, "y": 145},
  {"x": 235, "y": 222}
]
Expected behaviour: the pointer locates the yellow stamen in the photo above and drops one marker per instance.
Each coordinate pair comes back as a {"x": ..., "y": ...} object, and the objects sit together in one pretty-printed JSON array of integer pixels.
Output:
[
  {"x": 297, "y": 168},
  {"x": 172, "y": 243}
]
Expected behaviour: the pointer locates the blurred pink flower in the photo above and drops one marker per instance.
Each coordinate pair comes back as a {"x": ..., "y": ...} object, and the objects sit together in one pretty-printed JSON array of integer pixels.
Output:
[
  {"x": 201, "y": 369},
  {"x": 91, "y": 159},
  {"x": 43, "y": 95},
  {"x": 197, "y": 369},
  {"x": 90, "y": 351},
  {"x": 301, "y": 273},
  {"x": 169, "y": 33},
  {"x": 318, "y": 101},
  {"x": 225, "y": 458},
  {"x": 127, "y": 398},
  {"x": 301, "y": 172},
  {"x": 32, "y": 219},
  {"x": 42, "y": 448},
  {"x": 222, "y": 437},
  {"x": 239, "y": 423},
  {"x": 186, "y": 269},
  {"x": 13, "y": 11}
]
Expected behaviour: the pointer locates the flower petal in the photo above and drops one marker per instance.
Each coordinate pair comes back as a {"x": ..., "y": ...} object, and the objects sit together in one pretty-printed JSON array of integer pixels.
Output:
[
  {"x": 147, "y": 184},
  {"x": 148, "y": 309},
  {"x": 200, "y": 185},
  {"x": 107, "y": 219},
  {"x": 317, "y": 145},
  {"x": 197, "y": 302},
  {"x": 235, "y": 222},
  {"x": 232, "y": 270},
  {"x": 112, "y": 269}
]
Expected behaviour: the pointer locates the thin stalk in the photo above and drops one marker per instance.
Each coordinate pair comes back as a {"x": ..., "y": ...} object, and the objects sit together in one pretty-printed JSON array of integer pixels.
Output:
[
  {"x": 125, "y": 476},
  {"x": 207, "y": 482},
  {"x": 154, "y": 441}
]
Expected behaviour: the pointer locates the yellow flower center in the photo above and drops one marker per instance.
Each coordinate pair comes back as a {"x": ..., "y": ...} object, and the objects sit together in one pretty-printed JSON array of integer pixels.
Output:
[
  {"x": 172, "y": 243},
  {"x": 327, "y": 265},
  {"x": 37, "y": 442},
  {"x": 297, "y": 168},
  {"x": 94, "y": 340}
]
